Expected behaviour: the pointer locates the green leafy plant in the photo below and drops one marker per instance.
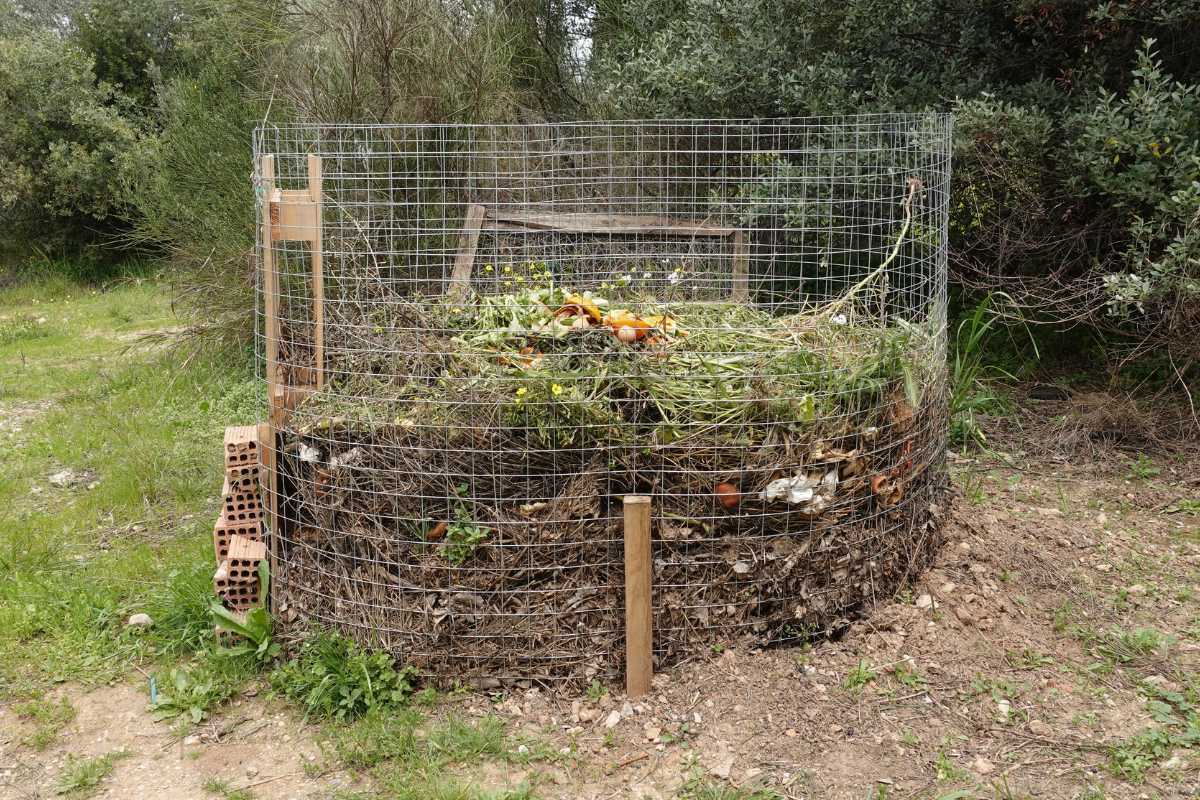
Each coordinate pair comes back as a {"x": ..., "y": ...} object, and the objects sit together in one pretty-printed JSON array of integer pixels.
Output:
[
  {"x": 462, "y": 537},
  {"x": 1143, "y": 468},
  {"x": 335, "y": 679},
  {"x": 860, "y": 676},
  {"x": 190, "y": 691}
]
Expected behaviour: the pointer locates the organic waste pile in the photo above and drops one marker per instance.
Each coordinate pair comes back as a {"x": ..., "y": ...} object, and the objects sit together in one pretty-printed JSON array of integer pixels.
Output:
[{"x": 454, "y": 491}]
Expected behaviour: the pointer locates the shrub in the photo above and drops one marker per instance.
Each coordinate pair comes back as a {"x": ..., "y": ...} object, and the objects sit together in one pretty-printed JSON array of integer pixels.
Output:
[
  {"x": 1140, "y": 153},
  {"x": 68, "y": 144}
]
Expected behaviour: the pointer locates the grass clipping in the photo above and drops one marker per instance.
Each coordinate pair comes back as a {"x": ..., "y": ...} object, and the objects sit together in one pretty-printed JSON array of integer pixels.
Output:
[{"x": 455, "y": 489}]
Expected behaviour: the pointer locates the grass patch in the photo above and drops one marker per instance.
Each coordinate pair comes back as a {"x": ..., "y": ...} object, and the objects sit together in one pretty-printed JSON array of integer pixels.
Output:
[
  {"x": 699, "y": 787},
  {"x": 75, "y": 562},
  {"x": 414, "y": 757},
  {"x": 333, "y": 678},
  {"x": 47, "y": 717},
  {"x": 222, "y": 789},
  {"x": 81, "y": 777}
]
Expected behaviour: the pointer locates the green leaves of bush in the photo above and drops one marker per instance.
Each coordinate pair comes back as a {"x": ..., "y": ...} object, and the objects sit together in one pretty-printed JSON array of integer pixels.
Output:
[{"x": 335, "y": 679}]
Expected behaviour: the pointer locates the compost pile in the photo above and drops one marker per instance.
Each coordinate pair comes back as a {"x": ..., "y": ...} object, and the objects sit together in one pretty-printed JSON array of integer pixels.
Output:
[{"x": 454, "y": 492}]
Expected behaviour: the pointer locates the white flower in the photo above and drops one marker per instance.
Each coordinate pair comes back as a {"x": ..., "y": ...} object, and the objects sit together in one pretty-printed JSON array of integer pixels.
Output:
[
  {"x": 838, "y": 319},
  {"x": 675, "y": 277}
]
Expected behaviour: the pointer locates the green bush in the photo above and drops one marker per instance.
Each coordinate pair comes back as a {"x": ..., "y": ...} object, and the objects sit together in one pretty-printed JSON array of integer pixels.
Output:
[
  {"x": 1140, "y": 154},
  {"x": 68, "y": 144}
]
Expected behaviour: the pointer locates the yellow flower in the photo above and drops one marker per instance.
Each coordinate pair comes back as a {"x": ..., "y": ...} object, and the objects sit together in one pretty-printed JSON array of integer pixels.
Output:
[
  {"x": 507, "y": 270},
  {"x": 556, "y": 390},
  {"x": 522, "y": 392},
  {"x": 487, "y": 268}
]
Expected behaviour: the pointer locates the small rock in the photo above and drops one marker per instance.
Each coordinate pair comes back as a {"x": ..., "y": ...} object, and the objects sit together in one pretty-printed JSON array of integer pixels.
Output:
[
  {"x": 964, "y": 548},
  {"x": 1003, "y": 709},
  {"x": 1104, "y": 567},
  {"x": 1102, "y": 519},
  {"x": 613, "y": 720},
  {"x": 589, "y": 714},
  {"x": 723, "y": 767},
  {"x": 741, "y": 567},
  {"x": 651, "y": 732},
  {"x": 1173, "y": 763},
  {"x": 1039, "y": 728},
  {"x": 964, "y": 615},
  {"x": 251, "y": 772},
  {"x": 982, "y": 766},
  {"x": 1049, "y": 512},
  {"x": 523, "y": 749},
  {"x": 1061, "y": 542},
  {"x": 627, "y": 709},
  {"x": 924, "y": 601},
  {"x": 1137, "y": 590},
  {"x": 192, "y": 740},
  {"x": 139, "y": 621},
  {"x": 62, "y": 479},
  {"x": 948, "y": 587}
]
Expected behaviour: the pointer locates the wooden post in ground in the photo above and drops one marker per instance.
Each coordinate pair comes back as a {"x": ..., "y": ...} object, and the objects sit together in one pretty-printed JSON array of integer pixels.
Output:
[
  {"x": 270, "y": 289},
  {"x": 639, "y": 635}
]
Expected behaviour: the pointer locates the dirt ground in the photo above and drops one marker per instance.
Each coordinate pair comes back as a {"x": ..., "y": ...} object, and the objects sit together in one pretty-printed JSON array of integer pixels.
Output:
[{"x": 1015, "y": 668}]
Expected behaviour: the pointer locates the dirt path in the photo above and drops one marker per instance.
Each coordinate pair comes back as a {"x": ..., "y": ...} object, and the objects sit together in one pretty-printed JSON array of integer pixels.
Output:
[{"x": 1021, "y": 666}]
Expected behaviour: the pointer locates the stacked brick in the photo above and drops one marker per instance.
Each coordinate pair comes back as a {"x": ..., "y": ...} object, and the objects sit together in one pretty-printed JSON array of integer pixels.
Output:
[{"x": 238, "y": 535}]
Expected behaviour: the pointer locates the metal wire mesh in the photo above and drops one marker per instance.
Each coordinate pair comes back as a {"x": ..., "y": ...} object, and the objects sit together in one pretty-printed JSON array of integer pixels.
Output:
[{"x": 520, "y": 324}]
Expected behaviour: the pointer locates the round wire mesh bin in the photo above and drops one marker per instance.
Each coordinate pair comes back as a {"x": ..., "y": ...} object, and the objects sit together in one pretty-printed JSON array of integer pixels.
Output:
[{"x": 478, "y": 339}]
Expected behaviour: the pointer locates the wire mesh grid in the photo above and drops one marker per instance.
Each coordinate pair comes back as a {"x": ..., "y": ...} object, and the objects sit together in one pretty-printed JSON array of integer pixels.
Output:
[{"x": 511, "y": 327}]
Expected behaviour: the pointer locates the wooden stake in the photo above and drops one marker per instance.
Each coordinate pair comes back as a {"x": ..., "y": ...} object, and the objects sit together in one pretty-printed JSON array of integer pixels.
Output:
[
  {"x": 740, "y": 289},
  {"x": 266, "y": 431},
  {"x": 639, "y": 635},
  {"x": 266, "y": 452},
  {"x": 270, "y": 278},
  {"x": 318, "y": 273},
  {"x": 468, "y": 243}
]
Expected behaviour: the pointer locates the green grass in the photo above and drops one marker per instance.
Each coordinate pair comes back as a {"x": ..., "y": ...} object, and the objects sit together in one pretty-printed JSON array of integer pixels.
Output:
[
  {"x": 81, "y": 777},
  {"x": 47, "y": 719},
  {"x": 414, "y": 757},
  {"x": 700, "y": 787},
  {"x": 145, "y": 434},
  {"x": 82, "y": 390},
  {"x": 222, "y": 789}
]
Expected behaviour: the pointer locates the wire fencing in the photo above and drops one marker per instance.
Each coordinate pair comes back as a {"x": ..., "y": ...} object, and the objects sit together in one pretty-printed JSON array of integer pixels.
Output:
[{"x": 508, "y": 328}]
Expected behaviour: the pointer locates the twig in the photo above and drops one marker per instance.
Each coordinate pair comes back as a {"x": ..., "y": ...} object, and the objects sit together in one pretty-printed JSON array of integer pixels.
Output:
[
  {"x": 914, "y": 185},
  {"x": 631, "y": 760}
]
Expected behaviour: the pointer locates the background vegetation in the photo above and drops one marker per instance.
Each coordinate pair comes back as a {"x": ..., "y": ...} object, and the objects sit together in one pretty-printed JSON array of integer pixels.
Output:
[{"x": 1077, "y": 163}]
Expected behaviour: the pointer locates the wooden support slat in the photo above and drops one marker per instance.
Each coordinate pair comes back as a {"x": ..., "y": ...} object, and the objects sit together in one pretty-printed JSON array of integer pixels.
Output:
[
  {"x": 266, "y": 450},
  {"x": 318, "y": 271},
  {"x": 571, "y": 222},
  {"x": 270, "y": 278},
  {"x": 639, "y": 637},
  {"x": 266, "y": 430},
  {"x": 468, "y": 243},
  {"x": 739, "y": 291}
]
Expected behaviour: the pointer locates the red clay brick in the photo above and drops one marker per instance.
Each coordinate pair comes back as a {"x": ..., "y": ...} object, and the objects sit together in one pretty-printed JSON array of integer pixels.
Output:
[{"x": 226, "y": 529}]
